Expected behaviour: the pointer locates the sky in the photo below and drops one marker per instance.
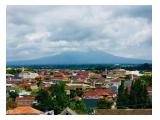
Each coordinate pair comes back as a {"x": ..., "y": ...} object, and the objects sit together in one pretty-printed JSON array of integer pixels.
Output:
[{"x": 38, "y": 31}]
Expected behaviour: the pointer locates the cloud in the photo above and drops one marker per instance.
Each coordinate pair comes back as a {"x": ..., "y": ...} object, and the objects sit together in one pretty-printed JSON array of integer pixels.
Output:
[{"x": 37, "y": 31}]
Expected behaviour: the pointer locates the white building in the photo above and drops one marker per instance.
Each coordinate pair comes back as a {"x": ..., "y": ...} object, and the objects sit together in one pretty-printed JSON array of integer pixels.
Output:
[{"x": 28, "y": 75}]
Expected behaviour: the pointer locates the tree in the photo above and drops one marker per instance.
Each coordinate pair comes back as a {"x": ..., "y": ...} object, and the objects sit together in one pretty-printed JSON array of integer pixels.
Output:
[
  {"x": 123, "y": 96},
  {"x": 13, "y": 71},
  {"x": 75, "y": 93},
  {"x": 60, "y": 99},
  {"x": 104, "y": 104},
  {"x": 147, "y": 79},
  {"x": 10, "y": 104},
  {"x": 13, "y": 95},
  {"x": 39, "y": 81},
  {"x": 78, "y": 106},
  {"x": 52, "y": 73},
  {"x": 138, "y": 97},
  {"x": 35, "y": 91},
  {"x": 44, "y": 101}
]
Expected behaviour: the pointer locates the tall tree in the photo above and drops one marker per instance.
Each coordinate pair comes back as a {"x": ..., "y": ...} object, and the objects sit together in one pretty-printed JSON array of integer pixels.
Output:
[
  {"x": 147, "y": 79},
  {"x": 139, "y": 96},
  {"x": 122, "y": 98},
  {"x": 60, "y": 99},
  {"x": 44, "y": 101},
  {"x": 13, "y": 95}
]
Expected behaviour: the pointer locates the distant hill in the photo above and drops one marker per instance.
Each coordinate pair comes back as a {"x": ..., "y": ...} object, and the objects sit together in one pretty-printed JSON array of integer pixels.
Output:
[{"x": 91, "y": 57}]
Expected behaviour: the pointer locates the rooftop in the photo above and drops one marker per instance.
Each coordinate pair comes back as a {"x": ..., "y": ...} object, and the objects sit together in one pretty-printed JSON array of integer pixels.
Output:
[{"x": 25, "y": 110}]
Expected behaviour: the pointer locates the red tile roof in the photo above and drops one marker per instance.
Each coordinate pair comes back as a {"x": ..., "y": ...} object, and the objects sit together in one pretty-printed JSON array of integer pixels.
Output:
[
  {"x": 25, "y": 98},
  {"x": 58, "y": 74},
  {"x": 96, "y": 93},
  {"x": 116, "y": 80},
  {"x": 40, "y": 76},
  {"x": 79, "y": 81},
  {"x": 25, "y": 110}
]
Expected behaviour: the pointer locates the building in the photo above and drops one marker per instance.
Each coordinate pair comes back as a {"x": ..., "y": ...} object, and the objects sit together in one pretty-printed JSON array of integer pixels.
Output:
[
  {"x": 91, "y": 96},
  {"x": 99, "y": 93},
  {"x": 68, "y": 111},
  {"x": 116, "y": 82},
  {"x": 24, "y": 110},
  {"x": 26, "y": 75},
  {"x": 25, "y": 101}
]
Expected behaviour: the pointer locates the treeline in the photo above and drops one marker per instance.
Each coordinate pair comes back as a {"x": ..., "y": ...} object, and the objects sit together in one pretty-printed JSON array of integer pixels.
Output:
[
  {"x": 98, "y": 67},
  {"x": 136, "y": 97},
  {"x": 140, "y": 67},
  {"x": 13, "y": 71}
]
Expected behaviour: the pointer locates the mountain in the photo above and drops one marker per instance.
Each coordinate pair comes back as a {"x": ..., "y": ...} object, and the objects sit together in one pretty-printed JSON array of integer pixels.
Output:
[{"x": 91, "y": 57}]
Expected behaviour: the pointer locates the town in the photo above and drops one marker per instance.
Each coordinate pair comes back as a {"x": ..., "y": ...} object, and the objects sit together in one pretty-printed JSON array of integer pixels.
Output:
[{"x": 100, "y": 90}]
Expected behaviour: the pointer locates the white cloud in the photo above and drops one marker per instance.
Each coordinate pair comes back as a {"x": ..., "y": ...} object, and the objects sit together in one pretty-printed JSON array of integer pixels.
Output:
[{"x": 46, "y": 30}]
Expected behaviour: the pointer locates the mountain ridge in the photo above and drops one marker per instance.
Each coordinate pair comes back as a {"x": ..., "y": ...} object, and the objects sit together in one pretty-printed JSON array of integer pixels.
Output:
[{"x": 91, "y": 57}]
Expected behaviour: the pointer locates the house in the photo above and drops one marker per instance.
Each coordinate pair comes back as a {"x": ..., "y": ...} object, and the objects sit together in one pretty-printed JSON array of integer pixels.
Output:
[
  {"x": 117, "y": 72},
  {"x": 40, "y": 76},
  {"x": 68, "y": 111},
  {"x": 24, "y": 110},
  {"x": 58, "y": 75},
  {"x": 134, "y": 74},
  {"x": 113, "y": 88},
  {"x": 77, "y": 86},
  {"x": 79, "y": 81},
  {"x": 98, "y": 93},
  {"x": 24, "y": 93},
  {"x": 24, "y": 101},
  {"x": 104, "y": 75},
  {"x": 116, "y": 82},
  {"x": 9, "y": 77},
  {"x": 95, "y": 76},
  {"x": 100, "y": 83},
  {"x": 25, "y": 75},
  {"x": 91, "y": 96}
]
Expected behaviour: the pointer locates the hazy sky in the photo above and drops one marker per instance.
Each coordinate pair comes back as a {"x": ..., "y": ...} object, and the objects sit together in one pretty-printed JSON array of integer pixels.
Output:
[{"x": 37, "y": 31}]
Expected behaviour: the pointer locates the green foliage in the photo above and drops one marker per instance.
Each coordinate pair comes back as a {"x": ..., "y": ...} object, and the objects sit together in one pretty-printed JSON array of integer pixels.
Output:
[
  {"x": 56, "y": 99},
  {"x": 35, "y": 91},
  {"x": 104, "y": 104},
  {"x": 60, "y": 99},
  {"x": 13, "y": 94},
  {"x": 78, "y": 106},
  {"x": 148, "y": 79},
  {"x": 123, "y": 96},
  {"x": 10, "y": 104},
  {"x": 52, "y": 73},
  {"x": 75, "y": 93},
  {"x": 140, "y": 67},
  {"x": 39, "y": 81},
  {"x": 13, "y": 71},
  {"x": 97, "y": 71},
  {"x": 44, "y": 101},
  {"x": 139, "y": 96}
]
